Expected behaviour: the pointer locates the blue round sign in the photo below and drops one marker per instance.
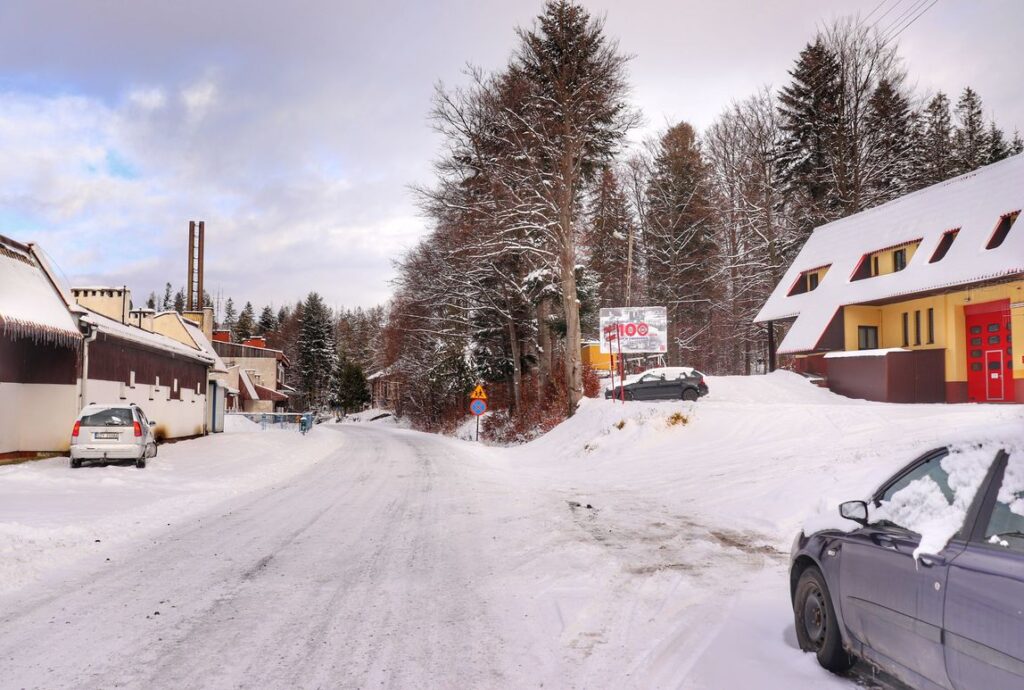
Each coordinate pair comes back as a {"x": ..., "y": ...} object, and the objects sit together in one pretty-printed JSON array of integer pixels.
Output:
[{"x": 478, "y": 407}]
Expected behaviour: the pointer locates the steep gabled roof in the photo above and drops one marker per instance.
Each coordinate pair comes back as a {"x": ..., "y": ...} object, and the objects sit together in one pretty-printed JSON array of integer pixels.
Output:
[
  {"x": 32, "y": 305},
  {"x": 972, "y": 203},
  {"x": 140, "y": 336}
]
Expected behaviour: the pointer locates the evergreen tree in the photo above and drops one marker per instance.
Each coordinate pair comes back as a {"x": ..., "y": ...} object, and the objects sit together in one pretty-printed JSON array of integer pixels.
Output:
[
  {"x": 267, "y": 322},
  {"x": 179, "y": 300},
  {"x": 890, "y": 143},
  {"x": 317, "y": 355},
  {"x": 607, "y": 239},
  {"x": 680, "y": 246},
  {"x": 935, "y": 146},
  {"x": 351, "y": 391},
  {"x": 230, "y": 315},
  {"x": 1018, "y": 144},
  {"x": 168, "y": 301},
  {"x": 810, "y": 114},
  {"x": 970, "y": 140},
  {"x": 151, "y": 301},
  {"x": 246, "y": 324},
  {"x": 998, "y": 149}
]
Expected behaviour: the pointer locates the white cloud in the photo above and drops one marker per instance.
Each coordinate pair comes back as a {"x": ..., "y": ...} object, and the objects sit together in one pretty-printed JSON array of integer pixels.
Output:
[
  {"x": 148, "y": 98},
  {"x": 198, "y": 98}
]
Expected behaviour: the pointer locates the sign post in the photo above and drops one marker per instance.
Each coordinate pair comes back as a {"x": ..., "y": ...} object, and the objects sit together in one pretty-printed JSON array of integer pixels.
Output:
[{"x": 477, "y": 406}]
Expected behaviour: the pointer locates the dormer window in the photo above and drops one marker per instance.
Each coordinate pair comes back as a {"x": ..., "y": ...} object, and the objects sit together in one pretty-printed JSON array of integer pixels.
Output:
[
  {"x": 1002, "y": 230},
  {"x": 886, "y": 260},
  {"x": 944, "y": 244},
  {"x": 809, "y": 280}
]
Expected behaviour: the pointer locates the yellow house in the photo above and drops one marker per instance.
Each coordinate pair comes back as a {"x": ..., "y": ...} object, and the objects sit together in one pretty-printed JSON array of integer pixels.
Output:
[{"x": 916, "y": 300}]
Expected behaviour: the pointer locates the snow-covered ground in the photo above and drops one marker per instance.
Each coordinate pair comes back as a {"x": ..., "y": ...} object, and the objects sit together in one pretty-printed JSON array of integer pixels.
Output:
[{"x": 635, "y": 546}]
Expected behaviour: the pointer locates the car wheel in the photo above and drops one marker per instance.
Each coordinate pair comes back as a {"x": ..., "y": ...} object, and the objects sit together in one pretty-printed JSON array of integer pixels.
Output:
[
  {"x": 141, "y": 462},
  {"x": 690, "y": 394},
  {"x": 630, "y": 396},
  {"x": 817, "y": 628},
  {"x": 75, "y": 464}
]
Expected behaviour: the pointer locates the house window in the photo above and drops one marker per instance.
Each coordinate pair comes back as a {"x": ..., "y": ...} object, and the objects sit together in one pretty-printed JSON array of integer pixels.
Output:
[
  {"x": 1002, "y": 230},
  {"x": 899, "y": 259},
  {"x": 812, "y": 281},
  {"x": 175, "y": 385},
  {"x": 906, "y": 329},
  {"x": 944, "y": 244},
  {"x": 867, "y": 337},
  {"x": 931, "y": 326},
  {"x": 874, "y": 266},
  {"x": 131, "y": 379},
  {"x": 917, "y": 327}
]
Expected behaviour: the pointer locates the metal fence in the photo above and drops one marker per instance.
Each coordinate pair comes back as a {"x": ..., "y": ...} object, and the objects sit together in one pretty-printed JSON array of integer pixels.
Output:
[{"x": 289, "y": 421}]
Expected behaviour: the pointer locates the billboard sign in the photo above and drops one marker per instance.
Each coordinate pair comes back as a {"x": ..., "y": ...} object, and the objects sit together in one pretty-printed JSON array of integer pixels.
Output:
[{"x": 639, "y": 329}]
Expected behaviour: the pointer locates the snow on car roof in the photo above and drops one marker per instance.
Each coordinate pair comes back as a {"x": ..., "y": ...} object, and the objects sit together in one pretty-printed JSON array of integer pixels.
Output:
[
  {"x": 972, "y": 203},
  {"x": 670, "y": 372}
]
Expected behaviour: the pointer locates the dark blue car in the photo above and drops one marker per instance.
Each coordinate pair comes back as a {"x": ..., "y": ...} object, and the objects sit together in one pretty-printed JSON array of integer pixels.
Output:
[{"x": 952, "y": 619}]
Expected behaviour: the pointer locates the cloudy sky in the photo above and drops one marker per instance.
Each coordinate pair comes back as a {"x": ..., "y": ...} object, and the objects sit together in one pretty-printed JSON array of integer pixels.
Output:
[{"x": 294, "y": 129}]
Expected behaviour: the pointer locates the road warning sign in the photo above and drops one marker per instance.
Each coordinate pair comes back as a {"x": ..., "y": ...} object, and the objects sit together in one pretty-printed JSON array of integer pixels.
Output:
[
  {"x": 478, "y": 394},
  {"x": 478, "y": 407}
]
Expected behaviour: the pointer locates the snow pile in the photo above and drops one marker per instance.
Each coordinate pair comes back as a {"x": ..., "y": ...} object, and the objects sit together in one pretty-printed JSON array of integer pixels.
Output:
[
  {"x": 696, "y": 504},
  {"x": 236, "y": 423},
  {"x": 376, "y": 416}
]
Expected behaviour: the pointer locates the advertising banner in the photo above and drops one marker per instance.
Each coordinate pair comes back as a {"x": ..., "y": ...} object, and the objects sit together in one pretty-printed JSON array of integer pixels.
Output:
[{"x": 639, "y": 329}]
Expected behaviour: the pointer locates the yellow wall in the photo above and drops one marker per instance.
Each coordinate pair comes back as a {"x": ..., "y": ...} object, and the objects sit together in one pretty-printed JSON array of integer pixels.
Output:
[
  {"x": 949, "y": 323},
  {"x": 885, "y": 258},
  {"x": 592, "y": 356},
  {"x": 169, "y": 325}
]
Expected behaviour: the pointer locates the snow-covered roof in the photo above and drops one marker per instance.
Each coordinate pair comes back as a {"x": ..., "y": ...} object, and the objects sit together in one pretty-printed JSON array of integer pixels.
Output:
[
  {"x": 972, "y": 203},
  {"x": 31, "y": 303},
  {"x": 245, "y": 384},
  {"x": 139, "y": 335},
  {"x": 203, "y": 344}
]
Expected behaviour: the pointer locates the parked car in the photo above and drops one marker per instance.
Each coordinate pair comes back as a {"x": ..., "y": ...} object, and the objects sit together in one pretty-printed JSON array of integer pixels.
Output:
[
  {"x": 950, "y": 619},
  {"x": 112, "y": 432},
  {"x": 663, "y": 383}
]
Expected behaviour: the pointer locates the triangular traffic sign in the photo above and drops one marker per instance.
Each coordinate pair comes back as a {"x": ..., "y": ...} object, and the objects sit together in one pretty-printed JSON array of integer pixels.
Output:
[{"x": 478, "y": 394}]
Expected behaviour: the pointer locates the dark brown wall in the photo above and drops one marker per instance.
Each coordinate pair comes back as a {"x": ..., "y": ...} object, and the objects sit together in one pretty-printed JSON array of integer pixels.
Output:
[
  {"x": 834, "y": 337},
  {"x": 858, "y": 377},
  {"x": 915, "y": 376},
  {"x": 27, "y": 361},
  {"x": 113, "y": 359}
]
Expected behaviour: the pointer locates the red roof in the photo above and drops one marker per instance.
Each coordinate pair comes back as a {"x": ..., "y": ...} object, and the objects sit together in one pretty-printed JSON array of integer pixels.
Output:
[{"x": 269, "y": 394}]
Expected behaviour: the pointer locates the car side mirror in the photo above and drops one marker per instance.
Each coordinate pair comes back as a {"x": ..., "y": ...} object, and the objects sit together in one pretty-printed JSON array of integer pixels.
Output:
[
  {"x": 152, "y": 423},
  {"x": 854, "y": 510}
]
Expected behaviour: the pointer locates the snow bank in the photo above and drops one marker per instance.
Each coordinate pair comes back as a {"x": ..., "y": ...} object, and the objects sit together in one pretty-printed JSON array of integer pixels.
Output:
[
  {"x": 53, "y": 518},
  {"x": 236, "y": 423}
]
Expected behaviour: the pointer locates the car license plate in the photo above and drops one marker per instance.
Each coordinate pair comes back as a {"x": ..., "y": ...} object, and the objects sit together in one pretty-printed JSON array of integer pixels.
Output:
[{"x": 105, "y": 434}]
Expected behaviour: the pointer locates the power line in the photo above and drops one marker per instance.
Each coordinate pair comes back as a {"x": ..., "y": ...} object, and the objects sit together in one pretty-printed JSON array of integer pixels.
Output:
[{"x": 908, "y": 25}]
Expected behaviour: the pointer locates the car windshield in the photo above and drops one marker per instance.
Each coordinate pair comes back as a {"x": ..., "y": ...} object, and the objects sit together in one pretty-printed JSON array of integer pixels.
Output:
[{"x": 112, "y": 416}]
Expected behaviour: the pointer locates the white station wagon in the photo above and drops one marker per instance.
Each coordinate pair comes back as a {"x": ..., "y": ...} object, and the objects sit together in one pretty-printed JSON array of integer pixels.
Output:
[{"x": 112, "y": 432}]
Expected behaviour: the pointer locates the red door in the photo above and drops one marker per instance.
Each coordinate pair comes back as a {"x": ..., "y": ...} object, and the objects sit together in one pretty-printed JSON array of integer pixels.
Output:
[{"x": 989, "y": 352}]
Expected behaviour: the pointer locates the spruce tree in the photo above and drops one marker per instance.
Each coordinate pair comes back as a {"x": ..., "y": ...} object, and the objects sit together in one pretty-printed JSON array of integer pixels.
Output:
[
  {"x": 890, "y": 143},
  {"x": 168, "y": 301},
  {"x": 679, "y": 241},
  {"x": 317, "y": 355},
  {"x": 810, "y": 112},
  {"x": 610, "y": 230},
  {"x": 267, "y": 322},
  {"x": 1017, "y": 146},
  {"x": 351, "y": 390},
  {"x": 998, "y": 149},
  {"x": 151, "y": 301},
  {"x": 179, "y": 300},
  {"x": 935, "y": 161},
  {"x": 229, "y": 315},
  {"x": 970, "y": 140},
  {"x": 246, "y": 324}
]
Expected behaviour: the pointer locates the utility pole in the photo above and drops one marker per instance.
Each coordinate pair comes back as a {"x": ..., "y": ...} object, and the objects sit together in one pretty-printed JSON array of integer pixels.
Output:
[{"x": 629, "y": 268}]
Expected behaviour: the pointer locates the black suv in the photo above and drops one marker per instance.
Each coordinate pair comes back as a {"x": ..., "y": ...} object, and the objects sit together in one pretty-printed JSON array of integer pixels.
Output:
[{"x": 667, "y": 383}]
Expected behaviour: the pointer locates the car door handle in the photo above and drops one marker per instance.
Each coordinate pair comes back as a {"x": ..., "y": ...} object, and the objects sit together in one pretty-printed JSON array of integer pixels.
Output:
[{"x": 930, "y": 561}]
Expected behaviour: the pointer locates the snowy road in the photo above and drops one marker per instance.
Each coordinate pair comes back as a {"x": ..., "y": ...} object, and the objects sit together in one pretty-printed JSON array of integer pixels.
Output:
[
  {"x": 639, "y": 546},
  {"x": 345, "y": 576}
]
